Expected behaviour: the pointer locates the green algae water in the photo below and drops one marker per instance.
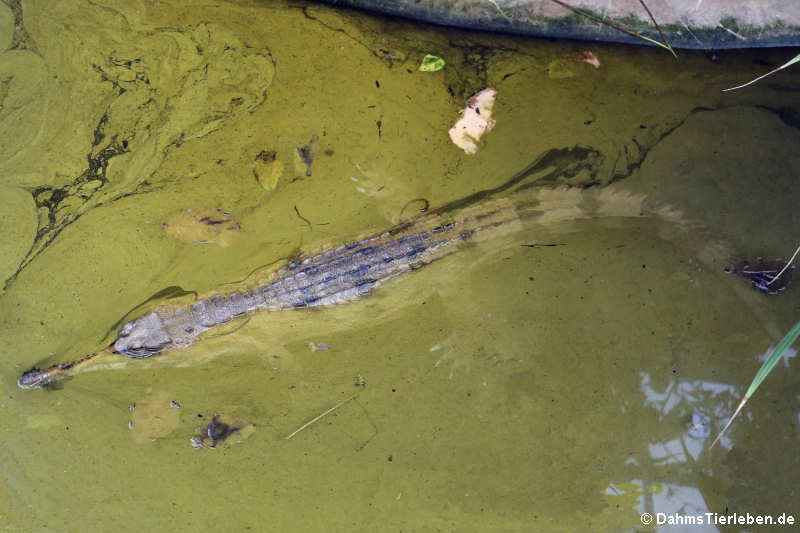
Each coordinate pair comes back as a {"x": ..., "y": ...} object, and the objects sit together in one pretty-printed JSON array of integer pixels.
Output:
[{"x": 514, "y": 387}]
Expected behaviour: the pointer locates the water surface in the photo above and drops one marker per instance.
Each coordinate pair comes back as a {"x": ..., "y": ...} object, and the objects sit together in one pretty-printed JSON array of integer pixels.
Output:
[{"x": 505, "y": 388}]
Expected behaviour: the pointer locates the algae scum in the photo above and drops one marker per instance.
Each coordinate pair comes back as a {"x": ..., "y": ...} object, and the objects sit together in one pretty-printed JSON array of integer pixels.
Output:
[{"x": 170, "y": 149}]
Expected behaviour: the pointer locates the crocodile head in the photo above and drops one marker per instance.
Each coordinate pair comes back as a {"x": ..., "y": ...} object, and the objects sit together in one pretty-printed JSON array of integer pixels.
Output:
[
  {"x": 36, "y": 377},
  {"x": 143, "y": 337}
]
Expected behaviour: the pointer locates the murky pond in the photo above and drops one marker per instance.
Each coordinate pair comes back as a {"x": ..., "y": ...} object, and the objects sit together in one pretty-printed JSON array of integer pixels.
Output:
[{"x": 173, "y": 148}]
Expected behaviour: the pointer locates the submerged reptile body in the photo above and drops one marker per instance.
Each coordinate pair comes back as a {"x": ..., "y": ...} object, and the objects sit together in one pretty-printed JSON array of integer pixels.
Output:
[
  {"x": 350, "y": 271},
  {"x": 345, "y": 273},
  {"x": 338, "y": 275},
  {"x": 335, "y": 276}
]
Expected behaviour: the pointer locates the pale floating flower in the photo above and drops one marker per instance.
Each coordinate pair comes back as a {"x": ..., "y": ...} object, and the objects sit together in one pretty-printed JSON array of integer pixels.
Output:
[{"x": 475, "y": 122}]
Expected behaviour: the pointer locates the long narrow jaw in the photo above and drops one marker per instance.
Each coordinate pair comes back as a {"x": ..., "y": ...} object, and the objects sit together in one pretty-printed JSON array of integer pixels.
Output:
[{"x": 36, "y": 378}]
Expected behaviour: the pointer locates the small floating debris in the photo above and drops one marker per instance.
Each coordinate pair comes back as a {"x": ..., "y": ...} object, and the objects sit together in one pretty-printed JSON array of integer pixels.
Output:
[
  {"x": 218, "y": 431},
  {"x": 560, "y": 69},
  {"x": 432, "y": 62},
  {"x": 211, "y": 225},
  {"x": 586, "y": 57},
  {"x": 307, "y": 152},
  {"x": 476, "y": 121},
  {"x": 314, "y": 347},
  {"x": 770, "y": 277},
  {"x": 699, "y": 427}
]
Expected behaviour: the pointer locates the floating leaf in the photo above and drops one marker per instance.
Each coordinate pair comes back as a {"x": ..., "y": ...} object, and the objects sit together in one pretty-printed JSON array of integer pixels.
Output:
[
  {"x": 432, "y": 62},
  {"x": 586, "y": 57},
  {"x": 268, "y": 169}
]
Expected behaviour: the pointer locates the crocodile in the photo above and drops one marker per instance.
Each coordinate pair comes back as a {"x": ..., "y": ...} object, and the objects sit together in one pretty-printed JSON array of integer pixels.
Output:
[
  {"x": 351, "y": 271},
  {"x": 338, "y": 275}
]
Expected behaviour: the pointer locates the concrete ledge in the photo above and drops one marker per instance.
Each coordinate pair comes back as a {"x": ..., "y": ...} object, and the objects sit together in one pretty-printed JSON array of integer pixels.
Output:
[{"x": 698, "y": 24}]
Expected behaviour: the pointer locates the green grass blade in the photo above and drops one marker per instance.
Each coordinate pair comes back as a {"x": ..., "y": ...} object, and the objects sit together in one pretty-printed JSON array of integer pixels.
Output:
[
  {"x": 773, "y": 359},
  {"x": 789, "y": 63},
  {"x": 763, "y": 372}
]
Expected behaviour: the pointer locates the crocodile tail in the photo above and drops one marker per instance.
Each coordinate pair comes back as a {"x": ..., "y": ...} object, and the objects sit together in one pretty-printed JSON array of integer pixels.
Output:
[{"x": 555, "y": 207}]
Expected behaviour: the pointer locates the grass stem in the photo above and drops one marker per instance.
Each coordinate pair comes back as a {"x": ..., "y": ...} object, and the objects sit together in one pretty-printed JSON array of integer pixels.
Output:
[
  {"x": 787, "y": 265},
  {"x": 320, "y": 416},
  {"x": 665, "y": 45}
]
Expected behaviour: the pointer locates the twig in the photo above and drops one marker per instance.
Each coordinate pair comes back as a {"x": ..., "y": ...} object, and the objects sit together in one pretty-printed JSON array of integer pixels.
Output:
[
  {"x": 301, "y": 217},
  {"x": 616, "y": 26},
  {"x": 661, "y": 33},
  {"x": 320, "y": 416},
  {"x": 497, "y": 6}
]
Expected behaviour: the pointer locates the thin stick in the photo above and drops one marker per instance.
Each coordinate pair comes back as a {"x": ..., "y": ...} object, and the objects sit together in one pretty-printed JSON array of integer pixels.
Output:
[
  {"x": 615, "y": 26},
  {"x": 497, "y": 6},
  {"x": 661, "y": 33},
  {"x": 785, "y": 267},
  {"x": 792, "y": 61},
  {"x": 318, "y": 417}
]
